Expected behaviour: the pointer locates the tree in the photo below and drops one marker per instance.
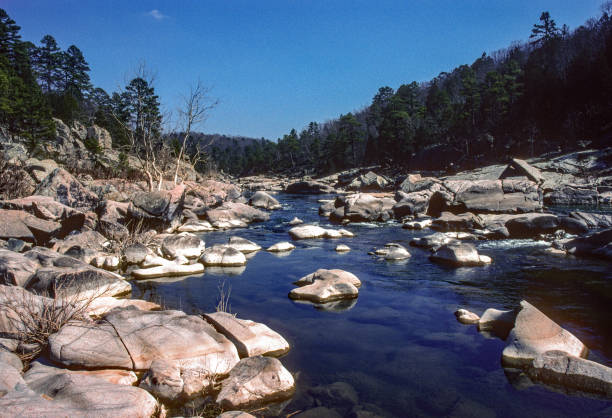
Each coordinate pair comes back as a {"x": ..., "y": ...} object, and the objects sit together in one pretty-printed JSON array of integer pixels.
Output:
[
  {"x": 47, "y": 62},
  {"x": 349, "y": 133},
  {"x": 196, "y": 106},
  {"x": 545, "y": 31}
]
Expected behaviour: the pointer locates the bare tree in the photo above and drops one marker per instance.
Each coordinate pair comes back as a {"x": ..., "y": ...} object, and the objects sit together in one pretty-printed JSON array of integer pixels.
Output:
[{"x": 196, "y": 106}]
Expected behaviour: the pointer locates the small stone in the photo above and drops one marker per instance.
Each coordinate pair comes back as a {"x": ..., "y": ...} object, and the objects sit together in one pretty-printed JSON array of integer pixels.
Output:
[
  {"x": 342, "y": 248},
  {"x": 466, "y": 317},
  {"x": 281, "y": 247}
]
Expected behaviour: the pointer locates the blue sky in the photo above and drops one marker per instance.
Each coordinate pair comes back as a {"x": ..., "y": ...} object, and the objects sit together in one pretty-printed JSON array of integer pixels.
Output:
[{"x": 276, "y": 65}]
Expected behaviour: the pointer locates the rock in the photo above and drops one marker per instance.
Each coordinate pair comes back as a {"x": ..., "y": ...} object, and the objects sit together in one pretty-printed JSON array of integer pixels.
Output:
[
  {"x": 368, "y": 182},
  {"x": 450, "y": 222},
  {"x": 23, "y": 226},
  {"x": 158, "y": 208},
  {"x": 531, "y": 225},
  {"x": 250, "y": 338},
  {"x": 497, "y": 322},
  {"x": 418, "y": 224},
  {"x": 309, "y": 187},
  {"x": 106, "y": 262},
  {"x": 135, "y": 253},
  {"x": 10, "y": 373},
  {"x": 295, "y": 221},
  {"x": 64, "y": 188},
  {"x": 393, "y": 252},
  {"x": 560, "y": 369},
  {"x": 521, "y": 168},
  {"x": 134, "y": 339},
  {"x": 433, "y": 241},
  {"x": 339, "y": 395},
  {"x": 101, "y": 306},
  {"x": 460, "y": 254},
  {"x": 411, "y": 204},
  {"x": 170, "y": 269},
  {"x": 342, "y": 248},
  {"x": 281, "y": 247},
  {"x": 263, "y": 200},
  {"x": 164, "y": 380},
  {"x": 307, "y": 232},
  {"x": 346, "y": 234},
  {"x": 77, "y": 244},
  {"x": 326, "y": 208},
  {"x": 235, "y": 414},
  {"x": 101, "y": 135},
  {"x": 45, "y": 208},
  {"x": 222, "y": 255},
  {"x": 17, "y": 245},
  {"x": 16, "y": 269},
  {"x": 416, "y": 183},
  {"x": 193, "y": 225},
  {"x": 364, "y": 207},
  {"x": 326, "y": 286},
  {"x": 233, "y": 215},
  {"x": 254, "y": 381},
  {"x": 466, "y": 317},
  {"x": 597, "y": 245},
  {"x": 40, "y": 169},
  {"x": 39, "y": 370},
  {"x": 572, "y": 225},
  {"x": 534, "y": 334},
  {"x": 184, "y": 244},
  {"x": 593, "y": 220},
  {"x": 243, "y": 245},
  {"x": 55, "y": 392},
  {"x": 571, "y": 196}
]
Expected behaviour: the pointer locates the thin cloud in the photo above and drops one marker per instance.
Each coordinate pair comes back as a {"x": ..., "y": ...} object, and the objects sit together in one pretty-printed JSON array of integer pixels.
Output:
[{"x": 157, "y": 15}]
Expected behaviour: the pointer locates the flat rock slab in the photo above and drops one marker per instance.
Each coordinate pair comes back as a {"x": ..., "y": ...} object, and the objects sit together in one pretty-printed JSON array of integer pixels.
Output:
[
  {"x": 168, "y": 270},
  {"x": 326, "y": 286},
  {"x": 255, "y": 381},
  {"x": 534, "y": 334},
  {"x": 54, "y": 392},
  {"x": 250, "y": 338},
  {"x": 133, "y": 339}
]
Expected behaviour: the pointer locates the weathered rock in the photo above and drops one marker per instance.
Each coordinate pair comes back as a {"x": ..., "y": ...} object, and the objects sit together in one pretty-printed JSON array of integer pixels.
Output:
[
  {"x": 233, "y": 215},
  {"x": 466, "y": 317},
  {"x": 342, "y": 248},
  {"x": 10, "y": 373},
  {"x": 326, "y": 209},
  {"x": 159, "y": 207},
  {"x": 433, "y": 241},
  {"x": 560, "y": 369},
  {"x": 16, "y": 269},
  {"x": 45, "y": 208},
  {"x": 21, "y": 225},
  {"x": 364, "y": 207},
  {"x": 416, "y": 183},
  {"x": 263, "y": 200},
  {"x": 171, "y": 269},
  {"x": 307, "y": 232},
  {"x": 40, "y": 370},
  {"x": 254, "y": 381},
  {"x": 571, "y": 195},
  {"x": 101, "y": 306},
  {"x": 451, "y": 222},
  {"x": 460, "y": 254},
  {"x": 497, "y": 322},
  {"x": 597, "y": 245},
  {"x": 593, "y": 220},
  {"x": 521, "y": 168},
  {"x": 86, "y": 240},
  {"x": 418, "y": 224},
  {"x": 250, "y": 338},
  {"x": 309, "y": 187},
  {"x": 101, "y": 135},
  {"x": 64, "y": 188},
  {"x": 531, "y": 225},
  {"x": 235, "y": 414},
  {"x": 411, "y": 204},
  {"x": 295, "y": 221},
  {"x": 534, "y": 334},
  {"x": 136, "y": 253},
  {"x": 184, "y": 244},
  {"x": 393, "y": 251},
  {"x": 281, "y": 247},
  {"x": 222, "y": 255},
  {"x": 106, "y": 262},
  {"x": 55, "y": 392},
  {"x": 243, "y": 245},
  {"x": 193, "y": 225},
  {"x": 326, "y": 285},
  {"x": 133, "y": 339},
  {"x": 369, "y": 182}
]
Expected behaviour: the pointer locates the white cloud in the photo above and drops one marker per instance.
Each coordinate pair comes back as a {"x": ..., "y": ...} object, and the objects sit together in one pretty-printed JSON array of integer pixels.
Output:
[{"x": 157, "y": 15}]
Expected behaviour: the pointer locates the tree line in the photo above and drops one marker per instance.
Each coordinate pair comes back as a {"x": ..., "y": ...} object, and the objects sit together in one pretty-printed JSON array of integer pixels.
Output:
[{"x": 550, "y": 93}]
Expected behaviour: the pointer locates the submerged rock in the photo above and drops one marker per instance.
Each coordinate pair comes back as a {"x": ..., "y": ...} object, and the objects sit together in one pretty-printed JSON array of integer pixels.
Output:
[
  {"x": 342, "y": 248},
  {"x": 326, "y": 285},
  {"x": 250, "y": 338},
  {"x": 281, "y": 247},
  {"x": 466, "y": 317},
  {"x": 254, "y": 381},
  {"x": 296, "y": 221},
  {"x": 534, "y": 334}
]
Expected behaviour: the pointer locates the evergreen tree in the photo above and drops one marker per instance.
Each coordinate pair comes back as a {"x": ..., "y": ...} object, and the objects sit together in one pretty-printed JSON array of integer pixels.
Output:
[{"x": 47, "y": 62}]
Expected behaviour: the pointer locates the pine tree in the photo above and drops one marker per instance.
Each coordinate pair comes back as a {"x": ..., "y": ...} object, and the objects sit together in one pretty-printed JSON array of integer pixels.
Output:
[{"x": 47, "y": 62}]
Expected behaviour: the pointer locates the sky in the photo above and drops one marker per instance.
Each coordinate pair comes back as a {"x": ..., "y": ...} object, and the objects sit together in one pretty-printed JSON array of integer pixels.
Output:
[{"x": 275, "y": 65}]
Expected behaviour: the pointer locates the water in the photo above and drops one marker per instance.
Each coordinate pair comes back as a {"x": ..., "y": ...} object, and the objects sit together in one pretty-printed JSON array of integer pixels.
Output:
[{"x": 399, "y": 345}]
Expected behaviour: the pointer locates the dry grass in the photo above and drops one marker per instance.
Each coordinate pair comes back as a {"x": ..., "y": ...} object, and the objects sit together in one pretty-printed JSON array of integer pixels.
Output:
[{"x": 223, "y": 304}]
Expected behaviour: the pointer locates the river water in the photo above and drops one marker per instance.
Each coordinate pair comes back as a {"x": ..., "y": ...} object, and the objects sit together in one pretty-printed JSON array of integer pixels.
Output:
[{"x": 399, "y": 345}]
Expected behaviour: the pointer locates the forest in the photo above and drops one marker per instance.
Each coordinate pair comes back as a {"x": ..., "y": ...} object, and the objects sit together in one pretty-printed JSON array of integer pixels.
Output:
[{"x": 552, "y": 92}]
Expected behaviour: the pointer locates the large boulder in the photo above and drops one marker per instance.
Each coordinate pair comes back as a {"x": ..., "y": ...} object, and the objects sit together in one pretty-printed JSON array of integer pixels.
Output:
[
  {"x": 363, "y": 207},
  {"x": 411, "y": 204},
  {"x": 369, "y": 182},
  {"x": 534, "y": 334},
  {"x": 459, "y": 254},
  {"x": 326, "y": 286},
  {"x": 101, "y": 135},
  {"x": 571, "y": 195},
  {"x": 158, "y": 208},
  {"x": 64, "y": 188},
  {"x": 15, "y": 268},
  {"x": 233, "y": 214},
  {"x": 263, "y": 200},
  {"x": 451, "y": 222},
  {"x": 309, "y": 187},
  {"x": 307, "y": 232},
  {"x": 593, "y": 220},
  {"x": 532, "y": 224},
  {"x": 243, "y": 245},
  {"x": 560, "y": 369},
  {"x": 250, "y": 338},
  {"x": 134, "y": 339},
  {"x": 21, "y": 225},
  {"x": 223, "y": 256},
  {"x": 40, "y": 169},
  {"x": 184, "y": 244},
  {"x": 433, "y": 241},
  {"x": 597, "y": 245},
  {"x": 254, "y": 381},
  {"x": 85, "y": 245},
  {"x": 52, "y": 392}
]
